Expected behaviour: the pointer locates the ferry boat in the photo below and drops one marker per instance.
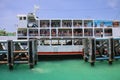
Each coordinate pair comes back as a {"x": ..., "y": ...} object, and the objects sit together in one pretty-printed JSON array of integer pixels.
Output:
[{"x": 64, "y": 36}]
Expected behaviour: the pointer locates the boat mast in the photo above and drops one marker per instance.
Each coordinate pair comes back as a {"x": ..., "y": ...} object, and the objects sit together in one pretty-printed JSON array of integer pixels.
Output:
[{"x": 35, "y": 9}]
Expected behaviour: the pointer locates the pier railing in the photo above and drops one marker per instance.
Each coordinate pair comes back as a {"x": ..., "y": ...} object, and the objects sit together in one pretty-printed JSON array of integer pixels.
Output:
[
  {"x": 99, "y": 49},
  {"x": 18, "y": 52}
]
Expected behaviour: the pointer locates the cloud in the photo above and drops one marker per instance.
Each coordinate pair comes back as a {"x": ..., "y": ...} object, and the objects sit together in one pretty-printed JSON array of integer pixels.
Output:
[{"x": 113, "y": 3}]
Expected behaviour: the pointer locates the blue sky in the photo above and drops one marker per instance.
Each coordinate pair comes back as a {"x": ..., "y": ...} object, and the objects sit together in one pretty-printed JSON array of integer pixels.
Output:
[{"x": 51, "y": 9}]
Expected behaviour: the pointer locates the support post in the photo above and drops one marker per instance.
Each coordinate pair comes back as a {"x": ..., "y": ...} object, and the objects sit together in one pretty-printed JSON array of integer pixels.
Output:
[
  {"x": 10, "y": 53},
  {"x": 93, "y": 52},
  {"x": 111, "y": 52},
  {"x": 31, "y": 64}
]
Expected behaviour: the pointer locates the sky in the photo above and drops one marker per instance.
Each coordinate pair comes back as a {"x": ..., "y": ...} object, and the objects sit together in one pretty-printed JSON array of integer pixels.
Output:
[{"x": 57, "y": 9}]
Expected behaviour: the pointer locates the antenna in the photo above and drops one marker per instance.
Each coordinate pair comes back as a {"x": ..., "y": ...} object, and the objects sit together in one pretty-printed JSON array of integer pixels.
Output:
[{"x": 35, "y": 9}]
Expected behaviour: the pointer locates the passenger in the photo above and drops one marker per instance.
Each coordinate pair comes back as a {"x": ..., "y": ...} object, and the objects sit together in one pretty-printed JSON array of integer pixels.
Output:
[
  {"x": 24, "y": 33},
  {"x": 45, "y": 25},
  {"x": 77, "y": 25},
  {"x": 79, "y": 33},
  {"x": 75, "y": 33},
  {"x": 58, "y": 24},
  {"x": 69, "y": 24},
  {"x": 95, "y": 24},
  {"x": 74, "y": 24},
  {"x": 102, "y": 24},
  {"x": 85, "y": 24},
  {"x": 67, "y": 33},
  {"x": 48, "y": 24},
  {"x": 52, "y": 24},
  {"x": 64, "y": 24},
  {"x": 62, "y": 33},
  {"x": 59, "y": 33},
  {"x": 53, "y": 32}
]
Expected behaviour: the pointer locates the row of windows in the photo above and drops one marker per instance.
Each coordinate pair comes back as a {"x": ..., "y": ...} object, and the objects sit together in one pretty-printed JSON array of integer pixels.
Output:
[
  {"x": 22, "y": 18},
  {"x": 58, "y": 42},
  {"x": 76, "y": 23},
  {"x": 61, "y": 42},
  {"x": 65, "y": 32}
]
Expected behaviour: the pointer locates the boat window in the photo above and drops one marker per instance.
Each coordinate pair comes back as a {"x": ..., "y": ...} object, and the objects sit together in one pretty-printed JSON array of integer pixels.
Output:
[
  {"x": 55, "y": 42},
  {"x": 88, "y": 23},
  {"x": 31, "y": 19},
  {"x": 98, "y": 32},
  {"x": 32, "y": 25},
  {"x": 65, "y": 32},
  {"x": 77, "y": 23},
  {"x": 68, "y": 42},
  {"x": 44, "y": 23},
  {"x": 45, "y": 42},
  {"x": 20, "y": 18},
  {"x": 33, "y": 32},
  {"x": 116, "y": 23},
  {"x": 66, "y": 23},
  {"x": 53, "y": 32},
  {"x": 22, "y": 32},
  {"x": 88, "y": 32},
  {"x": 44, "y": 32},
  {"x": 62, "y": 42},
  {"x": 77, "y": 41},
  {"x": 108, "y": 32},
  {"x": 55, "y": 23},
  {"x": 21, "y": 38},
  {"x": 78, "y": 32},
  {"x": 24, "y": 18},
  {"x": 65, "y": 42},
  {"x": 103, "y": 23}
]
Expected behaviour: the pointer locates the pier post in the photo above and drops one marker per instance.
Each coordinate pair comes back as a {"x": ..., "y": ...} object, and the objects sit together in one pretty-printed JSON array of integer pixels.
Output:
[
  {"x": 10, "y": 58},
  {"x": 35, "y": 52},
  {"x": 93, "y": 52},
  {"x": 31, "y": 63},
  {"x": 85, "y": 49},
  {"x": 111, "y": 51}
]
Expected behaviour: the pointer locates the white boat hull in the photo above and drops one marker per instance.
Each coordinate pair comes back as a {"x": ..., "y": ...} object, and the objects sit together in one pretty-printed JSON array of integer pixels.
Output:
[{"x": 60, "y": 50}]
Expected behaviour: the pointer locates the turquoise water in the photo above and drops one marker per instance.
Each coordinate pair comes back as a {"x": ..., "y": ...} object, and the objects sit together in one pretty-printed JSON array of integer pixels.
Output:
[{"x": 62, "y": 70}]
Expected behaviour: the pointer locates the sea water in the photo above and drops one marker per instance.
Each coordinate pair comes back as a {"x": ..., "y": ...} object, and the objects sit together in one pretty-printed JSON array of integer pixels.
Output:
[{"x": 62, "y": 70}]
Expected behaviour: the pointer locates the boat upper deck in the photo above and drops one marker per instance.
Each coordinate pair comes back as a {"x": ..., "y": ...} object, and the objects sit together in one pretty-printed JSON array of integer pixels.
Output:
[{"x": 31, "y": 27}]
